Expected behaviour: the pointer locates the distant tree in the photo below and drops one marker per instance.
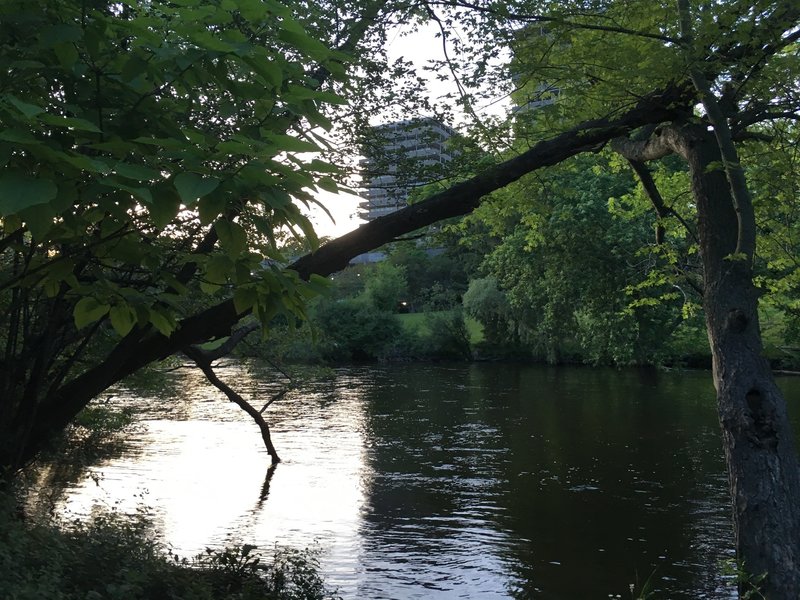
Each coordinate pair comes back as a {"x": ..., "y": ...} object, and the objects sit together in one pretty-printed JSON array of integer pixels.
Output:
[{"x": 386, "y": 286}]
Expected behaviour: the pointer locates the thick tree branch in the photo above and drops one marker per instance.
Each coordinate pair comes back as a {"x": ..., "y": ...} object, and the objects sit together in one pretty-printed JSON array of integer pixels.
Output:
[
  {"x": 462, "y": 198},
  {"x": 657, "y": 200},
  {"x": 663, "y": 142}
]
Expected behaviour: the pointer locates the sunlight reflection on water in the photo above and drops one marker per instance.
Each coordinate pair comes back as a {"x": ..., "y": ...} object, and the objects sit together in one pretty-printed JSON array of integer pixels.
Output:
[{"x": 440, "y": 482}]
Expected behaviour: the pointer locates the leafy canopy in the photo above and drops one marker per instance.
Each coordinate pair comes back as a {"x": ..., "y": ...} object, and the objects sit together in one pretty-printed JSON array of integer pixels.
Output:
[{"x": 129, "y": 128}]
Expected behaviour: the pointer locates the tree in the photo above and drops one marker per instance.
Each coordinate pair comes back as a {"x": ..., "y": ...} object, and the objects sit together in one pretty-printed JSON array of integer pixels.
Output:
[
  {"x": 386, "y": 286},
  {"x": 582, "y": 281},
  {"x": 148, "y": 168},
  {"x": 157, "y": 159}
]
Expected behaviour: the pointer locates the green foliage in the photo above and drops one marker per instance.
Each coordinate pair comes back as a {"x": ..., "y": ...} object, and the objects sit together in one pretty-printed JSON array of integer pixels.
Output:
[
  {"x": 772, "y": 171},
  {"x": 484, "y": 302},
  {"x": 436, "y": 278},
  {"x": 386, "y": 287},
  {"x": 126, "y": 129},
  {"x": 148, "y": 166},
  {"x": 112, "y": 556},
  {"x": 575, "y": 274},
  {"x": 356, "y": 330},
  {"x": 448, "y": 336},
  {"x": 748, "y": 584}
]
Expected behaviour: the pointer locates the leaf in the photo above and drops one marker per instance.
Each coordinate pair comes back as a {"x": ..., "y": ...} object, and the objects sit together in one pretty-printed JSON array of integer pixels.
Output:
[
  {"x": 70, "y": 123},
  {"x": 192, "y": 186},
  {"x": 294, "y": 34},
  {"x": 67, "y": 55},
  {"x": 123, "y": 318},
  {"x": 290, "y": 143},
  {"x": 217, "y": 269},
  {"x": 51, "y": 288},
  {"x": 244, "y": 297},
  {"x": 136, "y": 172},
  {"x": 329, "y": 185},
  {"x": 39, "y": 219},
  {"x": 162, "y": 322},
  {"x": 211, "y": 207},
  {"x": 29, "y": 110},
  {"x": 18, "y": 192},
  {"x": 232, "y": 236},
  {"x": 88, "y": 310},
  {"x": 163, "y": 209},
  {"x": 17, "y": 136}
]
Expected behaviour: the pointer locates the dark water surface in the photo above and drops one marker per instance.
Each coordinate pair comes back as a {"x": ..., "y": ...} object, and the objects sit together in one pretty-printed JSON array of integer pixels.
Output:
[{"x": 468, "y": 481}]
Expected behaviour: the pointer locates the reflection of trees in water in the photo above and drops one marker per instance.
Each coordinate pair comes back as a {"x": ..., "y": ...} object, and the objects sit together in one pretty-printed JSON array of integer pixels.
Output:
[
  {"x": 432, "y": 497},
  {"x": 608, "y": 469},
  {"x": 108, "y": 428},
  {"x": 605, "y": 473}
]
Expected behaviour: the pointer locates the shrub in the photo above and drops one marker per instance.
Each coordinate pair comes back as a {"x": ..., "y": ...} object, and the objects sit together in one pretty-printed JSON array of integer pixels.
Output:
[{"x": 116, "y": 557}]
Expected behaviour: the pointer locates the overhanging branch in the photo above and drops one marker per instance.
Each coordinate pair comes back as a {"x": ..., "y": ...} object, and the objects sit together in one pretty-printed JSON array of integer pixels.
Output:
[{"x": 460, "y": 199}]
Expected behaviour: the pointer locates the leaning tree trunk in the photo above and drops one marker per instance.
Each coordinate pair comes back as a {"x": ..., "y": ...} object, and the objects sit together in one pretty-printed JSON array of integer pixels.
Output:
[{"x": 759, "y": 443}]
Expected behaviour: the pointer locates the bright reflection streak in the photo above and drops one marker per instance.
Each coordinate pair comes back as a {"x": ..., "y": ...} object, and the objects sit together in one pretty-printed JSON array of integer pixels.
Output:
[{"x": 203, "y": 475}]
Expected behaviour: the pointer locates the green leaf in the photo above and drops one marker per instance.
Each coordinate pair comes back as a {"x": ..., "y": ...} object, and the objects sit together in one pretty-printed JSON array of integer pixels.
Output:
[
  {"x": 67, "y": 55},
  {"x": 244, "y": 297},
  {"x": 163, "y": 322},
  {"x": 17, "y": 136},
  {"x": 59, "y": 33},
  {"x": 51, "y": 288},
  {"x": 329, "y": 185},
  {"x": 88, "y": 310},
  {"x": 123, "y": 318},
  {"x": 217, "y": 269},
  {"x": 18, "y": 192},
  {"x": 210, "y": 207},
  {"x": 39, "y": 219},
  {"x": 232, "y": 236},
  {"x": 70, "y": 123},
  {"x": 137, "y": 172},
  {"x": 268, "y": 69},
  {"x": 29, "y": 110},
  {"x": 294, "y": 34},
  {"x": 289, "y": 143},
  {"x": 163, "y": 209},
  {"x": 192, "y": 186}
]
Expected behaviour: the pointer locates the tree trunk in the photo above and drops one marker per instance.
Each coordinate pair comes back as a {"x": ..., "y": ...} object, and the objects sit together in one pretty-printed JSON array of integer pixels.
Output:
[{"x": 759, "y": 443}]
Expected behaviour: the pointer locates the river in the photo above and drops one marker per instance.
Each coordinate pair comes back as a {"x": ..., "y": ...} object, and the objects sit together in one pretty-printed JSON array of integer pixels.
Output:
[{"x": 442, "y": 481}]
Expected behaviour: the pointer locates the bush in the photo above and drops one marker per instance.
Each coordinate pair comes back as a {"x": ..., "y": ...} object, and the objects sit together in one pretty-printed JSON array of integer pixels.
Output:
[
  {"x": 112, "y": 557},
  {"x": 444, "y": 336},
  {"x": 356, "y": 330}
]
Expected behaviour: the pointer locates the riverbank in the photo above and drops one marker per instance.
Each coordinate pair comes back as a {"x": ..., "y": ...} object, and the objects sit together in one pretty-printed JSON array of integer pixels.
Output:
[
  {"x": 116, "y": 557},
  {"x": 350, "y": 331}
]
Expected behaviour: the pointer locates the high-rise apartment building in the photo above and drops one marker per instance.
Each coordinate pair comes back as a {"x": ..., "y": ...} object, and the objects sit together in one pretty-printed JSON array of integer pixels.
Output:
[{"x": 399, "y": 157}]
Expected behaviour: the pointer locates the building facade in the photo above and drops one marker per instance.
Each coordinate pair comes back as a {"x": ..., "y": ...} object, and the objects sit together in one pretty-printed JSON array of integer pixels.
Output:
[{"x": 399, "y": 157}]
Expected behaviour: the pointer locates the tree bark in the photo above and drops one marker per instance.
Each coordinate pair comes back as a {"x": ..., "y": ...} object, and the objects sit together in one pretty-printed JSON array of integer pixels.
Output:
[
  {"x": 759, "y": 443},
  {"x": 763, "y": 470}
]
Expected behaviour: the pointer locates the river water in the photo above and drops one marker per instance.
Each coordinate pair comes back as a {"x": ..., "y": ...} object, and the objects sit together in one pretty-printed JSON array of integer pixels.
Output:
[{"x": 443, "y": 481}]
